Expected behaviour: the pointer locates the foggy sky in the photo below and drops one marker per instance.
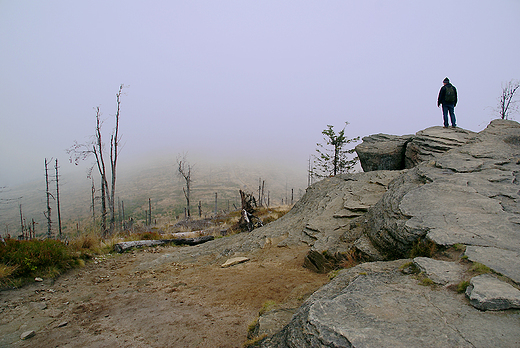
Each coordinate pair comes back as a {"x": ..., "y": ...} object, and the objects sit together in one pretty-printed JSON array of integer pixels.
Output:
[{"x": 228, "y": 78}]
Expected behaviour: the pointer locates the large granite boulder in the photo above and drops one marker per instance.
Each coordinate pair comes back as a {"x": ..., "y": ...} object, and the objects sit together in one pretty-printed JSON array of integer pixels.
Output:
[
  {"x": 468, "y": 195},
  {"x": 333, "y": 228},
  {"x": 383, "y": 152}
]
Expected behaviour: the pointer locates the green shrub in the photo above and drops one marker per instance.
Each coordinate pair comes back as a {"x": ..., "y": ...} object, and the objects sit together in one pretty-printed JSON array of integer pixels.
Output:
[
  {"x": 28, "y": 259},
  {"x": 461, "y": 287},
  {"x": 426, "y": 282},
  {"x": 459, "y": 247}
]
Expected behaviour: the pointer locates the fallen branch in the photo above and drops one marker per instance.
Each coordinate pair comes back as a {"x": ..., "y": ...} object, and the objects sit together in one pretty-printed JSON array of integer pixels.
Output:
[{"x": 123, "y": 246}]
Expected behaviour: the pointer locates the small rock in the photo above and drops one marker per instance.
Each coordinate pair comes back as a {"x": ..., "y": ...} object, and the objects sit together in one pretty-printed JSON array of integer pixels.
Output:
[
  {"x": 62, "y": 324},
  {"x": 38, "y": 279},
  {"x": 38, "y": 305},
  {"x": 487, "y": 293},
  {"x": 27, "y": 334},
  {"x": 233, "y": 261}
]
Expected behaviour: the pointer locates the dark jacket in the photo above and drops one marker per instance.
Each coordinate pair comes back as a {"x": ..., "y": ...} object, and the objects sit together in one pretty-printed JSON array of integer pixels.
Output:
[{"x": 442, "y": 93}]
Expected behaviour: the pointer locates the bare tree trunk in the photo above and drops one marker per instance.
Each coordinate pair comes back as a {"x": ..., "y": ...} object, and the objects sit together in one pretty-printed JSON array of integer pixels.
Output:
[
  {"x": 58, "y": 200},
  {"x": 114, "y": 144},
  {"x": 93, "y": 206},
  {"x": 124, "y": 218},
  {"x": 259, "y": 192},
  {"x": 100, "y": 161},
  {"x": 48, "y": 214},
  {"x": 21, "y": 220},
  {"x": 184, "y": 171},
  {"x": 149, "y": 212},
  {"x": 119, "y": 214},
  {"x": 262, "y": 196}
]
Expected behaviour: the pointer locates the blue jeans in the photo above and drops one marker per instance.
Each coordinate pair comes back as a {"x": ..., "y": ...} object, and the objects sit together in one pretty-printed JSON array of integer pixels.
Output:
[{"x": 451, "y": 109}]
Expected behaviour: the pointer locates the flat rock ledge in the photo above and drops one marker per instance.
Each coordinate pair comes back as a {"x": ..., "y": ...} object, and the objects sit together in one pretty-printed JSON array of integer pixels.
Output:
[
  {"x": 440, "y": 272},
  {"x": 376, "y": 305},
  {"x": 488, "y": 293}
]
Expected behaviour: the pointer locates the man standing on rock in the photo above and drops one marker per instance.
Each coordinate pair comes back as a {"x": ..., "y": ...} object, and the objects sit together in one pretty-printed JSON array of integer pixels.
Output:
[{"x": 448, "y": 99}]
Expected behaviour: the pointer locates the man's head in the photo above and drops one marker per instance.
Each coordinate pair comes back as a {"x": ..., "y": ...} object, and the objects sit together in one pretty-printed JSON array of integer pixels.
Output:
[{"x": 446, "y": 80}]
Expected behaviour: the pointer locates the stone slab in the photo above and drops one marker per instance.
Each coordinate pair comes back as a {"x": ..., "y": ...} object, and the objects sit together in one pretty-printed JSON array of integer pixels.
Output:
[
  {"x": 440, "y": 272},
  {"x": 487, "y": 293}
]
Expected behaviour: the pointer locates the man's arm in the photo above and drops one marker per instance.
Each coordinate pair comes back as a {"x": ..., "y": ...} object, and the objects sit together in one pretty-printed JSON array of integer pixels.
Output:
[{"x": 441, "y": 95}]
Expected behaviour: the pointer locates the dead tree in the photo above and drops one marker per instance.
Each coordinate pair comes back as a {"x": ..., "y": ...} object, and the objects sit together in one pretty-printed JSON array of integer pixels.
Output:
[
  {"x": 149, "y": 212},
  {"x": 22, "y": 224},
  {"x": 248, "y": 221},
  {"x": 58, "y": 200},
  {"x": 95, "y": 147},
  {"x": 49, "y": 195},
  {"x": 114, "y": 151},
  {"x": 507, "y": 104},
  {"x": 184, "y": 172},
  {"x": 93, "y": 205}
]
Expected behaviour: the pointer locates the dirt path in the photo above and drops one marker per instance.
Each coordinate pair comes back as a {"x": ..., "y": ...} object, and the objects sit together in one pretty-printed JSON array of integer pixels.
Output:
[{"x": 116, "y": 302}]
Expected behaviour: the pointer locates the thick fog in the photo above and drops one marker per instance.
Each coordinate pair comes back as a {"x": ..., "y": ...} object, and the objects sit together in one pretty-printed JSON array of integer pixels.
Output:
[{"x": 234, "y": 79}]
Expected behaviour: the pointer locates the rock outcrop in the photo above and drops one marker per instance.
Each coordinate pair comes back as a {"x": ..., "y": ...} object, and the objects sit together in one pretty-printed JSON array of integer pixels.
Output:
[
  {"x": 463, "y": 192},
  {"x": 468, "y": 195},
  {"x": 392, "y": 152}
]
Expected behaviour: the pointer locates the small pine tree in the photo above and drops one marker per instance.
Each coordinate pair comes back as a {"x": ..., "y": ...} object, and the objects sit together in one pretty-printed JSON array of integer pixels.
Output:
[{"x": 335, "y": 160}]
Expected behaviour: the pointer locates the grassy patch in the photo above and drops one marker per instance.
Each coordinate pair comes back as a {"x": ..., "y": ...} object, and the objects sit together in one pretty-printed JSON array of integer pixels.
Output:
[
  {"x": 459, "y": 247},
  {"x": 254, "y": 342},
  {"x": 251, "y": 328},
  {"x": 333, "y": 274},
  {"x": 266, "y": 307},
  {"x": 461, "y": 287},
  {"x": 479, "y": 268},
  {"x": 426, "y": 281},
  {"x": 423, "y": 247},
  {"x": 23, "y": 260},
  {"x": 409, "y": 268}
]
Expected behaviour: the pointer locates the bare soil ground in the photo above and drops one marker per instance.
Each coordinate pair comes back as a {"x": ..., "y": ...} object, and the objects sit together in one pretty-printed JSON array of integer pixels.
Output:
[{"x": 113, "y": 302}]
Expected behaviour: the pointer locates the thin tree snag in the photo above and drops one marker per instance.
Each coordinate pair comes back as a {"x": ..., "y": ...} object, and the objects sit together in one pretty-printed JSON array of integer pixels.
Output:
[{"x": 123, "y": 246}]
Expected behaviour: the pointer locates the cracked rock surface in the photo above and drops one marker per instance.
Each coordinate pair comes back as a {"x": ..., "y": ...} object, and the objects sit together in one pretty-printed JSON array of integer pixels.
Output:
[
  {"x": 376, "y": 305},
  {"x": 469, "y": 195},
  {"x": 464, "y": 191}
]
